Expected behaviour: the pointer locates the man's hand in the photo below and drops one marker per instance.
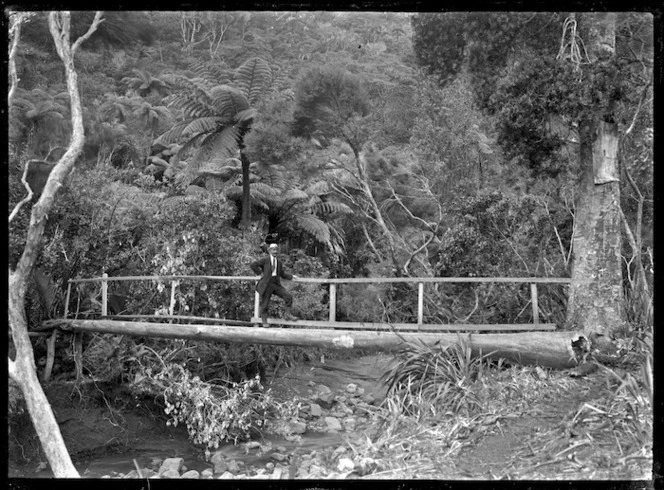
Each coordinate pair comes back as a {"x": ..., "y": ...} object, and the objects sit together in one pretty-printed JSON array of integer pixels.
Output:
[{"x": 294, "y": 277}]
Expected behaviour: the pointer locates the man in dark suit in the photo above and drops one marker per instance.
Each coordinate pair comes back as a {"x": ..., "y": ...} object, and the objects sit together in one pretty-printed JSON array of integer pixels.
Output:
[{"x": 271, "y": 270}]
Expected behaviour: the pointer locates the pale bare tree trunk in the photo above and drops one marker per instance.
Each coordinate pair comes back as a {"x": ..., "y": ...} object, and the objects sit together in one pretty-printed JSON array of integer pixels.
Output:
[
  {"x": 596, "y": 308},
  {"x": 22, "y": 369}
]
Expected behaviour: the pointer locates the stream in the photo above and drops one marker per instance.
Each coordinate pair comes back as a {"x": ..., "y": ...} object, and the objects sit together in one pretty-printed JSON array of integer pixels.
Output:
[{"x": 337, "y": 395}]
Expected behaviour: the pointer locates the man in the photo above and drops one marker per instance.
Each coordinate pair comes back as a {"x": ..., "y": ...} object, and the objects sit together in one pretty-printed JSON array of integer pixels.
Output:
[{"x": 271, "y": 270}]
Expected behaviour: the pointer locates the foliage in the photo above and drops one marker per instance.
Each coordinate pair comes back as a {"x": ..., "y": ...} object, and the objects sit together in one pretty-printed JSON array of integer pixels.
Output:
[
  {"x": 193, "y": 236},
  {"x": 442, "y": 377},
  {"x": 145, "y": 84},
  {"x": 330, "y": 103},
  {"x": 310, "y": 300},
  {"x": 269, "y": 141},
  {"x": 213, "y": 414},
  {"x": 39, "y": 120},
  {"x": 452, "y": 139}
]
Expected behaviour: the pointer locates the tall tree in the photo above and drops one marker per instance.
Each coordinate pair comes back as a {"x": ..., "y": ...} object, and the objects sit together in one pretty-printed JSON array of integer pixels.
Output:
[
  {"x": 22, "y": 368},
  {"x": 527, "y": 76},
  {"x": 596, "y": 306}
]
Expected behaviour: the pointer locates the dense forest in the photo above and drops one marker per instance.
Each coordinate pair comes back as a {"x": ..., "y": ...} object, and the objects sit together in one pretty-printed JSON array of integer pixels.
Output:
[{"x": 366, "y": 144}]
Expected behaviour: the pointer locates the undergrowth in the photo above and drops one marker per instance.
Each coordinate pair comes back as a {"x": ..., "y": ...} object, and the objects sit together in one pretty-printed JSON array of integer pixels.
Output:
[
  {"x": 444, "y": 399},
  {"x": 213, "y": 414}
]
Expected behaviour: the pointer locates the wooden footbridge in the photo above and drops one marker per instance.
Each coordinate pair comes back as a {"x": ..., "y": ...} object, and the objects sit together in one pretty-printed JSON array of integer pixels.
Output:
[{"x": 534, "y": 342}]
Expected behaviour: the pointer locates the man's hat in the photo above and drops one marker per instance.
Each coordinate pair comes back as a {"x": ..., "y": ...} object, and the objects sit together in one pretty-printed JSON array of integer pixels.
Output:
[{"x": 272, "y": 245}]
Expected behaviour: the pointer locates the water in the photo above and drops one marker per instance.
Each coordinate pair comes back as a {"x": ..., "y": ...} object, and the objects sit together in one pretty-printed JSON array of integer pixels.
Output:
[{"x": 152, "y": 446}]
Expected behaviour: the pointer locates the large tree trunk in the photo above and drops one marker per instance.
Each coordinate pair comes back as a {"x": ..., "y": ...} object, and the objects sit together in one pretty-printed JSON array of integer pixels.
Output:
[
  {"x": 551, "y": 349},
  {"x": 596, "y": 308},
  {"x": 22, "y": 369}
]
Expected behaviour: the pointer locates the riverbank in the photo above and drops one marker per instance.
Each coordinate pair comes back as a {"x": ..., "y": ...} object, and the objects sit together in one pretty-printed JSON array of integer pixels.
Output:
[{"x": 540, "y": 424}]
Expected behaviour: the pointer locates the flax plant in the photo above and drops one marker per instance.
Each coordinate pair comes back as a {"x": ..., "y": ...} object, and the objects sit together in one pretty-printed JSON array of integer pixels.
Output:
[{"x": 437, "y": 380}]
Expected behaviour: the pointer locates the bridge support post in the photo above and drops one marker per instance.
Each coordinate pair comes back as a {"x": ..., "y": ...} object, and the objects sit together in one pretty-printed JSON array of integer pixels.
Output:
[
  {"x": 533, "y": 300},
  {"x": 78, "y": 354}
]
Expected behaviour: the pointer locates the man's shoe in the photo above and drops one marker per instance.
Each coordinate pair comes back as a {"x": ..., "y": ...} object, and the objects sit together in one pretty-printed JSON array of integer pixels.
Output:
[
  {"x": 264, "y": 320},
  {"x": 289, "y": 316}
]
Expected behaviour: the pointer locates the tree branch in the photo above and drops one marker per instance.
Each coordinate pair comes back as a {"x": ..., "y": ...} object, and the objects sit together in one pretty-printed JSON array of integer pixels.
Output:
[
  {"x": 26, "y": 199},
  {"x": 638, "y": 109},
  {"x": 93, "y": 27}
]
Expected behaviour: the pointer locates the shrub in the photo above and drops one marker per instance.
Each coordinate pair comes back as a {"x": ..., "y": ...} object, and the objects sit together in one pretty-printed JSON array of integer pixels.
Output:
[
  {"x": 435, "y": 380},
  {"x": 213, "y": 414}
]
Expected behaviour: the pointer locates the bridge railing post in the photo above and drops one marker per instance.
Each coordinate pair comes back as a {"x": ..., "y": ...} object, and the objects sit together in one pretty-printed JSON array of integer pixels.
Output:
[
  {"x": 333, "y": 302},
  {"x": 171, "y": 308},
  {"x": 257, "y": 303},
  {"x": 104, "y": 294},
  {"x": 533, "y": 300},
  {"x": 420, "y": 304}
]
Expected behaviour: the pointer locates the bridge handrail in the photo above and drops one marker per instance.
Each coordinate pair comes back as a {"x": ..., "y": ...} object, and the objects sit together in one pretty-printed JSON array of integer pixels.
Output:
[
  {"x": 346, "y": 280},
  {"x": 332, "y": 282}
]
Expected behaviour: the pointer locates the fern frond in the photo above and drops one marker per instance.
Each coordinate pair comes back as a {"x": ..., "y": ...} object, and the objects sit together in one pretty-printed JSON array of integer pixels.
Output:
[
  {"x": 190, "y": 145},
  {"x": 175, "y": 81},
  {"x": 329, "y": 207},
  {"x": 318, "y": 188},
  {"x": 247, "y": 116},
  {"x": 314, "y": 226},
  {"x": 253, "y": 78},
  {"x": 258, "y": 198},
  {"x": 196, "y": 105},
  {"x": 219, "y": 144},
  {"x": 173, "y": 135},
  {"x": 295, "y": 194},
  {"x": 272, "y": 175},
  {"x": 228, "y": 101},
  {"x": 201, "y": 125}
]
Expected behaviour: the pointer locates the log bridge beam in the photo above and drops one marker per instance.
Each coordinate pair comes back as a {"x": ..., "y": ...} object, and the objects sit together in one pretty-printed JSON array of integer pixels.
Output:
[{"x": 544, "y": 348}]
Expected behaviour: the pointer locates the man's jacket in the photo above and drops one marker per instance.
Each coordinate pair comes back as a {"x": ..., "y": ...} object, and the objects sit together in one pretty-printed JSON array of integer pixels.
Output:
[{"x": 264, "y": 266}]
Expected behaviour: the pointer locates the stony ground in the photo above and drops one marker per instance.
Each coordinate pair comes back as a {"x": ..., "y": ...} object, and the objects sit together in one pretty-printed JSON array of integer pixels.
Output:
[{"x": 338, "y": 431}]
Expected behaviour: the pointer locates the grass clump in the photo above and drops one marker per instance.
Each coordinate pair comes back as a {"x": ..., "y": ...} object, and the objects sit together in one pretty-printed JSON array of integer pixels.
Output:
[{"x": 429, "y": 381}]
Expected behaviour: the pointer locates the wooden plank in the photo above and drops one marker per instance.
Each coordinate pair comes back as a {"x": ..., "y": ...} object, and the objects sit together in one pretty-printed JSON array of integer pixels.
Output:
[
  {"x": 551, "y": 349},
  {"x": 410, "y": 326}
]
